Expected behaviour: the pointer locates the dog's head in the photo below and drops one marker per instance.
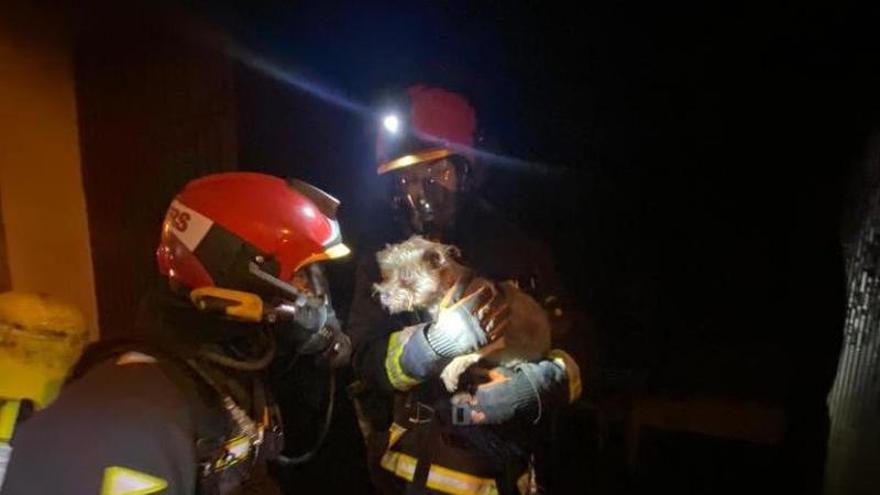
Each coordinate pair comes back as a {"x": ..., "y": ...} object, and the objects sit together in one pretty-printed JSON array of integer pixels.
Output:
[{"x": 416, "y": 273}]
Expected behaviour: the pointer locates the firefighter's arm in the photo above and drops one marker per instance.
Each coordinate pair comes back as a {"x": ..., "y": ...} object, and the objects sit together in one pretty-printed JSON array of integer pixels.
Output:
[
  {"x": 463, "y": 325},
  {"x": 528, "y": 391},
  {"x": 117, "y": 430},
  {"x": 401, "y": 358},
  {"x": 370, "y": 328}
]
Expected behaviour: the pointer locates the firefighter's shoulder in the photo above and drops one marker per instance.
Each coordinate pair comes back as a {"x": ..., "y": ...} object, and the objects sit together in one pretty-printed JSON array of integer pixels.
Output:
[{"x": 123, "y": 427}]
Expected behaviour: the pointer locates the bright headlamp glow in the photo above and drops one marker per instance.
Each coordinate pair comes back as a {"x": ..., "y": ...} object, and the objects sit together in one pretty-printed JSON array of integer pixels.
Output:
[{"x": 391, "y": 123}]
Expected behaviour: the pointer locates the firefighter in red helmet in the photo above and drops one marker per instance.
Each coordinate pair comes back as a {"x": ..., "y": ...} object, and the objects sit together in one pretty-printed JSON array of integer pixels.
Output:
[
  {"x": 421, "y": 438},
  {"x": 182, "y": 407},
  {"x": 426, "y": 157}
]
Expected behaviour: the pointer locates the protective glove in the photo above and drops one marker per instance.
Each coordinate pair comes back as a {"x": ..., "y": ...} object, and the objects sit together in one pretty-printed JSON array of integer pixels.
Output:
[
  {"x": 314, "y": 330},
  {"x": 524, "y": 392},
  {"x": 461, "y": 327},
  {"x": 338, "y": 351}
]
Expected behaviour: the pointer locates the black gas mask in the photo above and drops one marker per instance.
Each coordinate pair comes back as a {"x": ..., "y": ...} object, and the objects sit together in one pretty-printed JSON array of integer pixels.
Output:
[
  {"x": 425, "y": 196},
  {"x": 304, "y": 320},
  {"x": 298, "y": 316}
]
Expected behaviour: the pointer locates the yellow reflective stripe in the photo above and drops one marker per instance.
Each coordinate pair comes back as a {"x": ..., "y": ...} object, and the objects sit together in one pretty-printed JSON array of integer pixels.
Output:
[
  {"x": 400, "y": 464},
  {"x": 458, "y": 483},
  {"x": 8, "y": 417},
  {"x": 575, "y": 387},
  {"x": 441, "y": 479},
  {"x": 398, "y": 378},
  {"x": 119, "y": 480},
  {"x": 394, "y": 433}
]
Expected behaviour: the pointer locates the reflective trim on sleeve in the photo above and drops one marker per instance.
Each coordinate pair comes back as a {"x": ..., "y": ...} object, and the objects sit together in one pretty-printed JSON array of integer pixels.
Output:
[
  {"x": 572, "y": 371},
  {"x": 398, "y": 378}
]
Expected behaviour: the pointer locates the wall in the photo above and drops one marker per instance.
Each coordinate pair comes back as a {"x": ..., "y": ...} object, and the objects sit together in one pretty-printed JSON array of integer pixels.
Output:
[
  {"x": 41, "y": 190},
  {"x": 156, "y": 110}
]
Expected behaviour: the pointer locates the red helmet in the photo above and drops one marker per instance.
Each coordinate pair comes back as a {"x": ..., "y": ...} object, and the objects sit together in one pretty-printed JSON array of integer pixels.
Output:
[
  {"x": 435, "y": 124},
  {"x": 247, "y": 233}
]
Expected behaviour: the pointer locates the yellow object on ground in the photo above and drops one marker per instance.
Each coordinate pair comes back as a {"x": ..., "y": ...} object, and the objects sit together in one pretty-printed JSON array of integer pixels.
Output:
[{"x": 41, "y": 338}]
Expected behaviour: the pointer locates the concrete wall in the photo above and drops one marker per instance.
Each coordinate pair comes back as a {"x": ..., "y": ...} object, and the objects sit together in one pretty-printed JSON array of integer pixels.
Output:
[{"x": 41, "y": 189}]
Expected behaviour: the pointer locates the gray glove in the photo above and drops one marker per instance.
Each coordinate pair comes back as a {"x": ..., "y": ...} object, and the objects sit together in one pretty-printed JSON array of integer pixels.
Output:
[
  {"x": 338, "y": 350},
  {"x": 460, "y": 328},
  {"x": 523, "y": 392}
]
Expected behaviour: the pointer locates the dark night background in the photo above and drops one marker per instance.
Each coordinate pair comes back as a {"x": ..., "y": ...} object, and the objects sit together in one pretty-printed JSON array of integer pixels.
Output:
[{"x": 695, "y": 167}]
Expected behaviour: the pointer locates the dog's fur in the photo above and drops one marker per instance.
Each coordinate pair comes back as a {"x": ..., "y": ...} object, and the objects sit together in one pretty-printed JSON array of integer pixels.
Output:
[{"x": 417, "y": 273}]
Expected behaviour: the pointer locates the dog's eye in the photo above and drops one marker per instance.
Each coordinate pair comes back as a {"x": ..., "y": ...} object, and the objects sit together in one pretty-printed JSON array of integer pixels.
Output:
[{"x": 432, "y": 258}]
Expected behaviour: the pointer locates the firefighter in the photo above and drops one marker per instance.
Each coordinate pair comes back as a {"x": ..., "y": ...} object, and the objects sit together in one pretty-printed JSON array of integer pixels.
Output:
[
  {"x": 420, "y": 438},
  {"x": 182, "y": 407}
]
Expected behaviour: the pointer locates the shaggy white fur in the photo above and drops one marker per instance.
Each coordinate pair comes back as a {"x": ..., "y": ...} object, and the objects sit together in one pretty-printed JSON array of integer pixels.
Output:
[{"x": 417, "y": 273}]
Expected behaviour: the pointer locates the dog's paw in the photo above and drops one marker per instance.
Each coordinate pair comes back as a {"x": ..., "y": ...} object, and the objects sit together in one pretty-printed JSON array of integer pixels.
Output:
[{"x": 453, "y": 371}]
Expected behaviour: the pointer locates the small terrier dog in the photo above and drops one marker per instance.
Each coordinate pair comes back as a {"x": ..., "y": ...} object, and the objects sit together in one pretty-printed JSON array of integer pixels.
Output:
[{"x": 418, "y": 274}]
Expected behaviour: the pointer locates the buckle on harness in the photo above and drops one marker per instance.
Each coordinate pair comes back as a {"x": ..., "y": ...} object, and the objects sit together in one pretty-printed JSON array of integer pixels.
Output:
[{"x": 423, "y": 413}]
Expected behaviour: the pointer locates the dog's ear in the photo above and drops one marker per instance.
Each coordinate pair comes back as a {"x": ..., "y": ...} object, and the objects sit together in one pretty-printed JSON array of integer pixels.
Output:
[{"x": 433, "y": 258}]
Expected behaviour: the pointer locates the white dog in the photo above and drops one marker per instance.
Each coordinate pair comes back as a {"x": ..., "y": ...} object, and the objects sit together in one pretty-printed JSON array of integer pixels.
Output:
[{"x": 418, "y": 274}]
